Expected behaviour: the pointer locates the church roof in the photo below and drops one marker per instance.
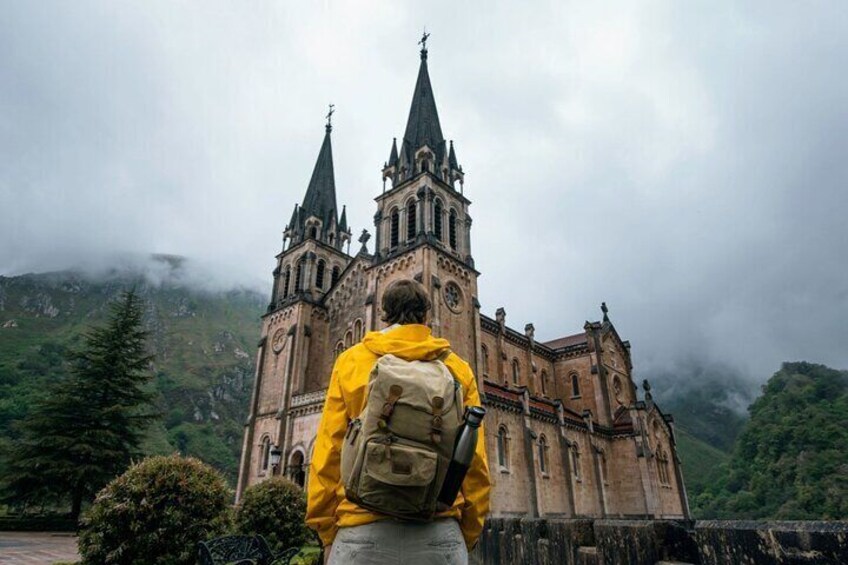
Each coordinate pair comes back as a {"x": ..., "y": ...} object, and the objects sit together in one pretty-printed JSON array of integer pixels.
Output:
[
  {"x": 320, "y": 199},
  {"x": 566, "y": 341},
  {"x": 422, "y": 126}
]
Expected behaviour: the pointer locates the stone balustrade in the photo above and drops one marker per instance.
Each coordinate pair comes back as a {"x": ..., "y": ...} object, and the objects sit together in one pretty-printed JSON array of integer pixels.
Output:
[{"x": 652, "y": 542}]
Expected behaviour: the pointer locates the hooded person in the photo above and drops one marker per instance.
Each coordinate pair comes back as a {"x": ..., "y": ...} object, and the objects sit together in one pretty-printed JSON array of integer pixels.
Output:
[{"x": 352, "y": 534}]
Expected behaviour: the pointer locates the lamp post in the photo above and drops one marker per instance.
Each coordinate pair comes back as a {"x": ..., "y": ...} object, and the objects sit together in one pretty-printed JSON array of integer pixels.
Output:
[{"x": 276, "y": 456}]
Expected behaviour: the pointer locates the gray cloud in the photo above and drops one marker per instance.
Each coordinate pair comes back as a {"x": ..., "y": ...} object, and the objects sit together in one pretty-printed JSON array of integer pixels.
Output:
[{"x": 682, "y": 162}]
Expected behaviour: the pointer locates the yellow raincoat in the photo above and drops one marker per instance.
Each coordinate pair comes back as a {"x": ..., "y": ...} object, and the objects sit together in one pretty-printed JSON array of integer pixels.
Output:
[{"x": 327, "y": 508}]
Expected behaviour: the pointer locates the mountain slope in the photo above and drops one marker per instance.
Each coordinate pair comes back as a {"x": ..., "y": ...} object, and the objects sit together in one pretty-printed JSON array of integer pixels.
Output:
[
  {"x": 790, "y": 462},
  {"x": 203, "y": 342},
  {"x": 701, "y": 464}
]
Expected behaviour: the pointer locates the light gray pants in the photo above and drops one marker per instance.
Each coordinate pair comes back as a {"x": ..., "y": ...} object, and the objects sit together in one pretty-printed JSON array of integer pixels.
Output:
[{"x": 408, "y": 543}]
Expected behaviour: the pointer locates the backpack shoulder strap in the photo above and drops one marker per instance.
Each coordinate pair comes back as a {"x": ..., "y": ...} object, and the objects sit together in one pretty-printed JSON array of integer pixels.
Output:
[{"x": 443, "y": 357}]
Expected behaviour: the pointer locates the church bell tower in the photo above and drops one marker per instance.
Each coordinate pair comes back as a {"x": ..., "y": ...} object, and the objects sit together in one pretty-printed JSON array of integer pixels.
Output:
[{"x": 423, "y": 227}]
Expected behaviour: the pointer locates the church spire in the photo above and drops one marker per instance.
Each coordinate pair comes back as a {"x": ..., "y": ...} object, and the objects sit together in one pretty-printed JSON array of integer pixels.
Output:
[
  {"x": 318, "y": 217},
  {"x": 422, "y": 126},
  {"x": 320, "y": 199},
  {"x": 393, "y": 156},
  {"x": 423, "y": 147}
]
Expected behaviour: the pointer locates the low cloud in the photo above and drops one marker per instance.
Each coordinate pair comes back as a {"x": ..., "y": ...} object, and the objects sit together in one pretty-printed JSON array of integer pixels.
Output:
[{"x": 683, "y": 163}]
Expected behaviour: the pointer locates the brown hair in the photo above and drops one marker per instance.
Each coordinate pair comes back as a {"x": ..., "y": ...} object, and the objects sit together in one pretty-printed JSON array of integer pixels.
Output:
[{"x": 405, "y": 302}]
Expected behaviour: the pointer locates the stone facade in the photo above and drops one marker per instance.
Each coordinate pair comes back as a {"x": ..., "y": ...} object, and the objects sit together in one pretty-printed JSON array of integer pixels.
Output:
[{"x": 565, "y": 432}]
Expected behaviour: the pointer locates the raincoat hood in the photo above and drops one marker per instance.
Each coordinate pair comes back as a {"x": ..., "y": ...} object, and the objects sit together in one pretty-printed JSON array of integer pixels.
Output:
[{"x": 410, "y": 342}]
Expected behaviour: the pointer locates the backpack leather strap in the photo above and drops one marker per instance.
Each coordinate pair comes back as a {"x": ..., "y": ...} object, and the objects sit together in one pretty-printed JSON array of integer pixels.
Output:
[{"x": 395, "y": 392}]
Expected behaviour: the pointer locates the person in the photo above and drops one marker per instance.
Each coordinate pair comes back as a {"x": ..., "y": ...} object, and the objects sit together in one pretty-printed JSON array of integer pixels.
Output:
[{"x": 350, "y": 534}]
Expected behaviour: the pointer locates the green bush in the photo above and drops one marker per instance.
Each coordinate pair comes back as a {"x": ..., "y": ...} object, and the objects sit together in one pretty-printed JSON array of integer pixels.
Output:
[
  {"x": 156, "y": 513},
  {"x": 275, "y": 508}
]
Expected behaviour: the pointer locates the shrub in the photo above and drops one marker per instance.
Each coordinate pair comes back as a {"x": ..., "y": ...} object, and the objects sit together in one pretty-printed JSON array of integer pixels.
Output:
[
  {"x": 275, "y": 508},
  {"x": 156, "y": 513}
]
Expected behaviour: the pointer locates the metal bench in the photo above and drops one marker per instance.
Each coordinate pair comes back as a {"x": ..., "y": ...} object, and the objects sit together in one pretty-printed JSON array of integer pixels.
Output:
[{"x": 241, "y": 550}]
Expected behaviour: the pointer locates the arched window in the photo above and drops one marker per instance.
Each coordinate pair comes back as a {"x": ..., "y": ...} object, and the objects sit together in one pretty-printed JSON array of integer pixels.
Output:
[
  {"x": 357, "y": 331},
  {"x": 348, "y": 340},
  {"x": 335, "y": 276},
  {"x": 411, "y": 217},
  {"x": 452, "y": 229},
  {"x": 575, "y": 386},
  {"x": 543, "y": 454},
  {"x": 503, "y": 447},
  {"x": 286, "y": 281},
  {"x": 265, "y": 453},
  {"x": 339, "y": 348},
  {"x": 298, "y": 277},
  {"x": 484, "y": 361},
  {"x": 395, "y": 227},
  {"x": 331, "y": 238},
  {"x": 516, "y": 372},
  {"x": 437, "y": 219},
  {"x": 544, "y": 380},
  {"x": 313, "y": 232},
  {"x": 575, "y": 461},
  {"x": 296, "y": 471},
  {"x": 319, "y": 275}
]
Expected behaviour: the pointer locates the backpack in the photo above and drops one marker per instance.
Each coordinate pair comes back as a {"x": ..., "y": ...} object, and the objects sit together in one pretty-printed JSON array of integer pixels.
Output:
[{"x": 396, "y": 453}]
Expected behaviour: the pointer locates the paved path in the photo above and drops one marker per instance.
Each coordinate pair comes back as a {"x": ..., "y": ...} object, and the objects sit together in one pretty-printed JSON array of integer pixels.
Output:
[{"x": 28, "y": 548}]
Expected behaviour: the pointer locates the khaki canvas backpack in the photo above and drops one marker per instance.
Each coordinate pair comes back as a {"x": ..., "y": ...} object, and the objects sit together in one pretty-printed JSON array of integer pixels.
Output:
[{"x": 396, "y": 453}]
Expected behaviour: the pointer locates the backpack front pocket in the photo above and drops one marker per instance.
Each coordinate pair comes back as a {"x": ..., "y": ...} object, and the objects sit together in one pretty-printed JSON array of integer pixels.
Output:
[{"x": 398, "y": 477}]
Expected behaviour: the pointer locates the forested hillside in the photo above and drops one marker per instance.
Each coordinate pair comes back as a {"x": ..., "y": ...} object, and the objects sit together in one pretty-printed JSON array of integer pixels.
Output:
[
  {"x": 791, "y": 460},
  {"x": 709, "y": 405},
  {"x": 203, "y": 342},
  {"x": 787, "y": 461}
]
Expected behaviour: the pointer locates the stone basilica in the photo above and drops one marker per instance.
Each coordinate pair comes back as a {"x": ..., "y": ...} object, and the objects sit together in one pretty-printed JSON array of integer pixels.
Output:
[{"x": 566, "y": 435}]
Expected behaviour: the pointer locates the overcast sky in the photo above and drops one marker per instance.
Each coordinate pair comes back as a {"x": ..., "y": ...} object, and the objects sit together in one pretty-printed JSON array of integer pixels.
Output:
[{"x": 685, "y": 162}]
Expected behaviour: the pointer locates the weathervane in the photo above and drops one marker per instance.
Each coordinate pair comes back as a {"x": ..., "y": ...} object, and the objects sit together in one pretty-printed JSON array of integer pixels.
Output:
[
  {"x": 423, "y": 43},
  {"x": 330, "y": 117}
]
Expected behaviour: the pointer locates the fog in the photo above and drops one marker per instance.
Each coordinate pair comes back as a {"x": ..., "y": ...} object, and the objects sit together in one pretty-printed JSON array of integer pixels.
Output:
[{"x": 683, "y": 162}]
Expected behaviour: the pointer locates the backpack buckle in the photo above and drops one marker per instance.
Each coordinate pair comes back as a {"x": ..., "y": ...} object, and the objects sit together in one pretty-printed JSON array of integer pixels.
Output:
[{"x": 395, "y": 392}]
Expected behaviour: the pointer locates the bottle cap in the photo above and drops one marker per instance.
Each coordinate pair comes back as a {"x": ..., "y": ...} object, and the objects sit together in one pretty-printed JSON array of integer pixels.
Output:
[{"x": 474, "y": 415}]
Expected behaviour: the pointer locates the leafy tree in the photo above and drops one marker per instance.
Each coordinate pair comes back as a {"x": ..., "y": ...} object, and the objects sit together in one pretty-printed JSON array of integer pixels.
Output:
[
  {"x": 790, "y": 461},
  {"x": 87, "y": 425}
]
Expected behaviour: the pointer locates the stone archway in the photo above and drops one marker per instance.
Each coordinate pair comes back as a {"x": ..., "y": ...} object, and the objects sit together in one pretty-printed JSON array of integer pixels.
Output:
[{"x": 296, "y": 469}]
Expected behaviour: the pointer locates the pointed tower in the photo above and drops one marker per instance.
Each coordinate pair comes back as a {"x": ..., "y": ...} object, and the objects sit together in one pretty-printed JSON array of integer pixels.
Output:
[
  {"x": 422, "y": 220},
  {"x": 317, "y": 218},
  {"x": 423, "y": 149},
  {"x": 293, "y": 350},
  {"x": 313, "y": 253}
]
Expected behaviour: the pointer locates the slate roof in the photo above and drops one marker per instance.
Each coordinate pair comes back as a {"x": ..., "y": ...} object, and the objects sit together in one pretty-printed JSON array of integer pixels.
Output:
[
  {"x": 422, "y": 126},
  {"x": 452, "y": 162},
  {"x": 320, "y": 199},
  {"x": 393, "y": 157},
  {"x": 566, "y": 341},
  {"x": 343, "y": 220}
]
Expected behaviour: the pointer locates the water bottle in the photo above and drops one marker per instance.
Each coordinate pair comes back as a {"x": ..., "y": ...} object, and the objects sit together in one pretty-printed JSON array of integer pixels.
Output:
[{"x": 463, "y": 453}]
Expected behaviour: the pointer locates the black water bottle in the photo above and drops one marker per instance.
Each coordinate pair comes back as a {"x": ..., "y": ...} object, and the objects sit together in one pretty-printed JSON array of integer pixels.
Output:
[{"x": 463, "y": 453}]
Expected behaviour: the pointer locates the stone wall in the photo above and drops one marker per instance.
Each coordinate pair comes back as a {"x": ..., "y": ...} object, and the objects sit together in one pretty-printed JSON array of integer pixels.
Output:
[{"x": 650, "y": 542}]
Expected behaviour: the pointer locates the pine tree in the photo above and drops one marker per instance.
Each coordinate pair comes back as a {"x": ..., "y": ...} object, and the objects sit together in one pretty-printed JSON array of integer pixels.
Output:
[{"x": 88, "y": 425}]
